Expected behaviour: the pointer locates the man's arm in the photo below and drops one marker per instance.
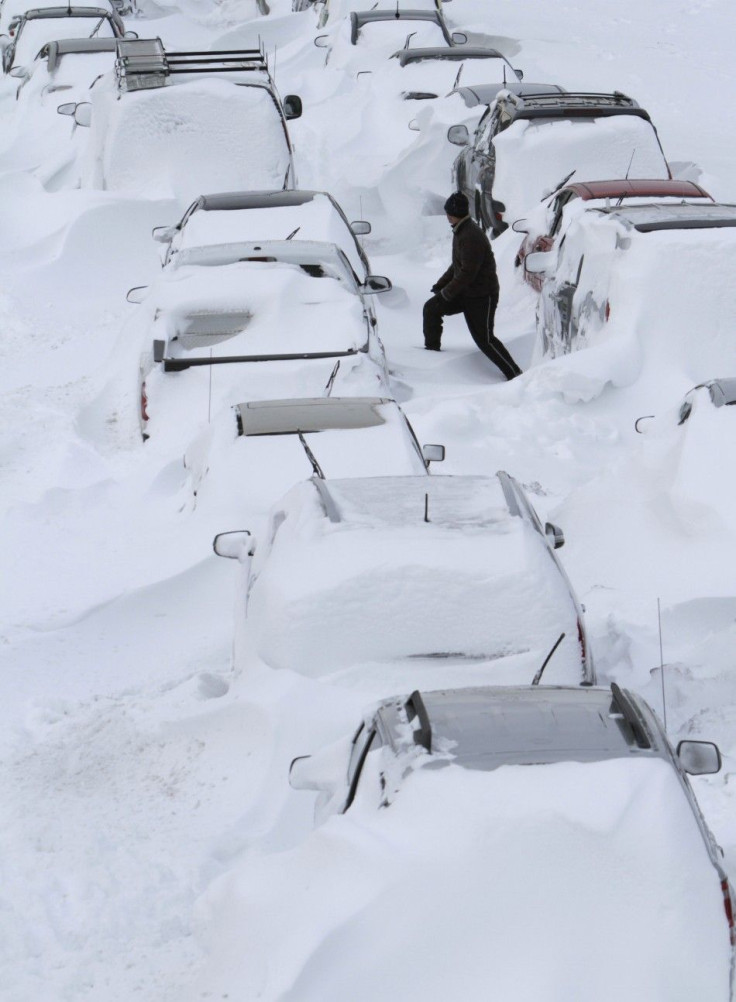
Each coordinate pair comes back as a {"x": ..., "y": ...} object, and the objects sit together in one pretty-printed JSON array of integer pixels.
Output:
[{"x": 443, "y": 279}]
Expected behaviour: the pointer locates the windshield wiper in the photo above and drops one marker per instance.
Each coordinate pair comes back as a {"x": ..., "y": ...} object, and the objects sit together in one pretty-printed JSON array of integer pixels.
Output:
[
  {"x": 537, "y": 677},
  {"x": 293, "y": 233},
  {"x": 97, "y": 28},
  {"x": 311, "y": 457}
]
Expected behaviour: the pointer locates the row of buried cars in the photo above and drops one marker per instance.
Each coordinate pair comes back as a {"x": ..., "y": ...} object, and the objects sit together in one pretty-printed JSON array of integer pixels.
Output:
[{"x": 261, "y": 362}]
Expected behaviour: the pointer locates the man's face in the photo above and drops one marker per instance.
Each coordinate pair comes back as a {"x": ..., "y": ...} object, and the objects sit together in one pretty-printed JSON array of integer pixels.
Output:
[{"x": 452, "y": 220}]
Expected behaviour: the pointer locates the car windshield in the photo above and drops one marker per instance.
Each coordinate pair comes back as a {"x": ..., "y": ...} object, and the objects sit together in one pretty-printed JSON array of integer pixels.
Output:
[
  {"x": 36, "y": 33},
  {"x": 81, "y": 69},
  {"x": 395, "y": 32},
  {"x": 440, "y": 76}
]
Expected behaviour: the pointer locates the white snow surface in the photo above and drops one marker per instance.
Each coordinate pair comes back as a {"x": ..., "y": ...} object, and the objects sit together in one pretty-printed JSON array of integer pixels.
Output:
[{"x": 151, "y": 847}]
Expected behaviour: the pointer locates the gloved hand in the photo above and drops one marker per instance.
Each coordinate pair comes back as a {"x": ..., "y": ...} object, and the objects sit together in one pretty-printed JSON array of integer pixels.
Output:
[{"x": 435, "y": 289}]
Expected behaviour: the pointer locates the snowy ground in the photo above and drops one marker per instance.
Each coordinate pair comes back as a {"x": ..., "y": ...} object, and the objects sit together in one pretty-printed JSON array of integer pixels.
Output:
[{"x": 141, "y": 774}]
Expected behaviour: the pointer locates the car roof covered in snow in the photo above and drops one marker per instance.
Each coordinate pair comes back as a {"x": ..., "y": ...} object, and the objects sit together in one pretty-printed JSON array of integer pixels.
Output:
[
  {"x": 666, "y": 216},
  {"x": 310, "y": 414},
  {"x": 490, "y": 726},
  {"x": 487, "y": 94},
  {"x": 451, "y": 502}
]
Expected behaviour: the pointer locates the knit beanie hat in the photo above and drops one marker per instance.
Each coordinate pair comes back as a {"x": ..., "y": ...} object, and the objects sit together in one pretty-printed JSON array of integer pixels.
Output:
[{"x": 457, "y": 205}]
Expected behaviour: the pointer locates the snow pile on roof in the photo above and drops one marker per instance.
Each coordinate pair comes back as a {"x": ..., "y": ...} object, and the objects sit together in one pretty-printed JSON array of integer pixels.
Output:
[
  {"x": 384, "y": 585},
  {"x": 620, "y": 146},
  {"x": 530, "y": 882},
  {"x": 180, "y": 140}
]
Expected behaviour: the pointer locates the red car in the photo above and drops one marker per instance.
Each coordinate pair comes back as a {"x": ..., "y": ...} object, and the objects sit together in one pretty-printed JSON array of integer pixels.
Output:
[{"x": 543, "y": 226}]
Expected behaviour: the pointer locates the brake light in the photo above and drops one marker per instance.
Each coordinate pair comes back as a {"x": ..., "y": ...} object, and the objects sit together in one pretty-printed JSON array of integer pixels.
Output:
[
  {"x": 608, "y": 309},
  {"x": 581, "y": 641},
  {"x": 144, "y": 403},
  {"x": 728, "y": 906}
]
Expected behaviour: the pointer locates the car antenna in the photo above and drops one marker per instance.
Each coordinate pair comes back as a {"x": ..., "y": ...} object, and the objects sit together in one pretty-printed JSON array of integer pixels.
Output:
[
  {"x": 457, "y": 78},
  {"x": 397, "y": 15},
  {"x": 426, "y": 507},
  {"x": 661, "y": 665},
  {"x": 537, "y": 677},
  {"x": 293, "y": 233},
  {"x": 633, "y": 154}
]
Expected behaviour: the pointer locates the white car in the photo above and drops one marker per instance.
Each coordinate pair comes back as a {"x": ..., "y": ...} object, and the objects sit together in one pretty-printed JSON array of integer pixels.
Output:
[
  {"x": 169, "y": 125},
  {"x": 262, "y": 448},
  {"x": 422, "y": 74},
  {"x": 639, "y": 274},
  {"x": 32, "y": 30},
  {"x": 564, "y": 808},
  {"x": 253, "y": 330},
  {"x": 415, "y": 573}
]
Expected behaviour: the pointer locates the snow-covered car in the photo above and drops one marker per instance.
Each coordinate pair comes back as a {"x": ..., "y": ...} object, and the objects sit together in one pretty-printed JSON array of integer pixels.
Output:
[
  {"x": 384, "y": 30},
  {"x": 571, "y": 802},
  {"x": 229, "y": 219},
  {"x": 715, "y": 393},
  {"x": 335, "y": 10},
  {"x": 31, "y": 31},
  {"x": 174, "y": 124},
  {"x": 546, "y": 224},
  {"x": 414, "y": 573},
  {"x": 642, "y": 271},
  {"x": 524, "y": 145},
  {"x": 252, "y": 330},
  {"x": 263, "y": 447},
  {"x": 69, "y": 66},
  {"x": 428, "y": 73}
]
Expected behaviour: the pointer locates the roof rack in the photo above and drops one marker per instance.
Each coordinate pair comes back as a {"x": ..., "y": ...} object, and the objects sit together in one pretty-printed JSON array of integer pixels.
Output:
[
  {"x": 571, "y": 105},
  {"x": 143, "y": 63}
]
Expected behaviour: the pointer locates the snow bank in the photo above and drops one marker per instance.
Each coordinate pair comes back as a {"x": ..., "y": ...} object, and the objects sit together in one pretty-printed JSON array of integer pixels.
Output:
[{"x": 548, "y": 882}]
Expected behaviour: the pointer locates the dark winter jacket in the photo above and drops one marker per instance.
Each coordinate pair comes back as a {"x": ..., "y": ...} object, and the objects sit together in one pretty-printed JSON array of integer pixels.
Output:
[{"x": 473, "y": 270}]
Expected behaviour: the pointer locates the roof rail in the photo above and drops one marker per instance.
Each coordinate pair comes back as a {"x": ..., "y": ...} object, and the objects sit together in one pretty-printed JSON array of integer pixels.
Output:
[
  {"x": 143, "y": 63},
  {"x": 623, "y": 705}
]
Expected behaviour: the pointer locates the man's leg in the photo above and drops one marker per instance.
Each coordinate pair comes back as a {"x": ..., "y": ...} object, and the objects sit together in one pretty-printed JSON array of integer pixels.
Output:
[
  {"x": 479, "y": 316},
  {"x": 434, "y": 310}
]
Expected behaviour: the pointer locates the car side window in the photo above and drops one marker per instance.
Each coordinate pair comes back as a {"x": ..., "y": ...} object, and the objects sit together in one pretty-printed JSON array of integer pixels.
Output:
[{"x": 686, "y": 410}]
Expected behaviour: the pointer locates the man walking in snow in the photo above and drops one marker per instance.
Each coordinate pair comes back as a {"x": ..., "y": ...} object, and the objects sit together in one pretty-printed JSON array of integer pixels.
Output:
[{"x": 469, "y": 286}]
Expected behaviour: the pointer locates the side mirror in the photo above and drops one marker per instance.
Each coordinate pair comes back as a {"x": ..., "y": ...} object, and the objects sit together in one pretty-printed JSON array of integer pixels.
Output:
[
  {"x": 699, "y": 758},
  {"x": 519, "y": 73},
  {"x": 83, "y": 114},
  {"x": 20, "y": 73},
  {"x": 137, "y": 294},
  {"x": 433, "y": 454},
  {"x": 555, "y": 535},
  {"x": 640, "y": 423},
  {"x": 539, "y": 262},
  {"x": 324, "y": 771},
  {"x": 130, "y": 34},
  {"x": 374, "y": 284},
  {"x": 459, "y": 38},
  {"x": 458, "y": 135},
  {"x": 163, "y": 234},
  {"x": 292, "y": 107},
  {"x": 520, "y": 226},
  {"x": 363, "y": 73},
  {"x": 360, "y": 227},
  {"x": 234, "y": 545},
  {"x": 159, "y": 350},
  {"x": 67, "y": 109},
  {"x": 322, "y": 41},
  {"x": 414, "y": 125}
]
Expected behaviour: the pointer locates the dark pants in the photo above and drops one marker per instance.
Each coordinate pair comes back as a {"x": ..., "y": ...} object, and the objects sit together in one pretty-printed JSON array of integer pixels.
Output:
[{"x": 479, "y": 315}]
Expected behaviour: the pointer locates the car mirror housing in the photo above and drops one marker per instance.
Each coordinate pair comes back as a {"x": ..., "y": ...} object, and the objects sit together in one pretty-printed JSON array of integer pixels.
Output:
[
  {"x": 130, "y": 34},
  {"x": 374, "y": 284},
  {"x": 539, "y": 262},
  {"x": 137, "y": 294},
  {"x": 699, "y": 758},
  {"x": 520, "y": 226},
  {"x": 458, "y": 135},
  {"x": 459, "y": 37},
  {"x": 640, "y": 425},
  {"x": 324, "y": 771},
  {"x": 322, "y": 41},
  {"x": 555, "y": 535},
  {"x": 433, "y": 454},
  {"x": 292, "y": 107},
  {"x": 237, "y": 545},
  {"x": 67, "y": 109},
  {"x": 360, "y": 227},
  {"x": 20, "y": 73},
  {"x": 519, "y": 73},
  {"x": 163, "y": 234},
  {"x": 83, "y": 114}
]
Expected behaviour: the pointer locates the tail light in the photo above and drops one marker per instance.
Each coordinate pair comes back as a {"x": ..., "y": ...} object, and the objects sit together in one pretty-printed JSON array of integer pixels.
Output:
[
  {"x": 581, "y": 641},
  {"x": 144, "y": 403},
  {"x": 607, "y": 310},
  {"x": 728, "y": 906}
]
